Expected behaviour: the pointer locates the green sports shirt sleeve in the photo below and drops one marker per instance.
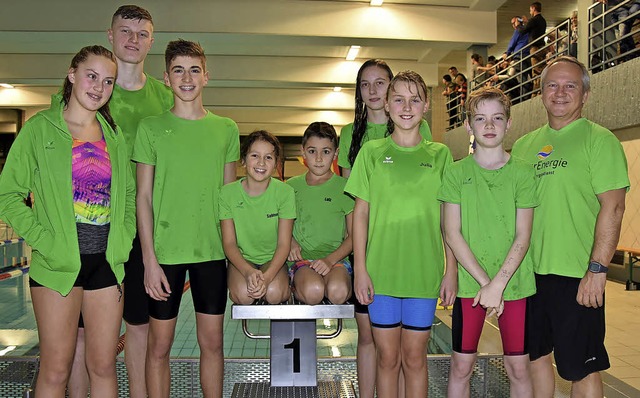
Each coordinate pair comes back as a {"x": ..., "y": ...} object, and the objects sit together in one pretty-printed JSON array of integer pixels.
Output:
[{"x": 572, "y": 166}]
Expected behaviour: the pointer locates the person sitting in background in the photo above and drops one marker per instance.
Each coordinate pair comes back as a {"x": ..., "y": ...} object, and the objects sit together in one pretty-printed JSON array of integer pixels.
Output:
[{"x": 505, "y": 78}]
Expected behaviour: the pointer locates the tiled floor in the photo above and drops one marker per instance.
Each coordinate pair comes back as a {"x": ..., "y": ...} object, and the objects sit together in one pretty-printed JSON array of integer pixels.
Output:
[
  {"x": 622, "y": 338},
  {"x": 17, "y": 328}
]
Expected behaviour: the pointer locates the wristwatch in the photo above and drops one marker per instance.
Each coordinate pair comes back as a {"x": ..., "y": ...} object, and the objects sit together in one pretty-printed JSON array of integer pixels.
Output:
[{"x": 597, "y": 268}]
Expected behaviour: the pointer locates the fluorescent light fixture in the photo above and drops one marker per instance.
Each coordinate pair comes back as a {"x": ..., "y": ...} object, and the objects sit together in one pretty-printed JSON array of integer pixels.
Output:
[
  {"x": 376, "y": 2},
  {"x": 7, "y": 350},
  {"x": 6, "y": 85},
  {"x": 337, "y": 89},
  {"x": 353, "y": 53}
]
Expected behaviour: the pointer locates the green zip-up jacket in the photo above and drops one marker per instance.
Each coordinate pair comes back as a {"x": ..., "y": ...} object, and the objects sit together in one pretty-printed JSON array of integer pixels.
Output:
[{"x": 40, "y": 162}]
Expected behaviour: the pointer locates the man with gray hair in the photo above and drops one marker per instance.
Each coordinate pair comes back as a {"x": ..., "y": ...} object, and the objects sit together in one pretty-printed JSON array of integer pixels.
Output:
[{"x": 582, "y": 181}]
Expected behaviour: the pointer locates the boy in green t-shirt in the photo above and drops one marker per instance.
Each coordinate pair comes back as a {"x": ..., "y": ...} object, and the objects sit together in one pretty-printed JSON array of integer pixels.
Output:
[
  {"x": 136, "y": 95},
  {"x": 185, "y": 154},
  {"x": 489, "y": 198},
  {"x": 321, "y": 238}
]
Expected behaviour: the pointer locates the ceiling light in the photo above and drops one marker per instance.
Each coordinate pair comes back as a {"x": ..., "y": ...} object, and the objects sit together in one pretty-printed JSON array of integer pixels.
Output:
[
  {"x": 353, "y": 53},
  {"x": 6, "y": 85},
  {"x": 376, "y": 2},
  {"x": 337, "y": 89}
]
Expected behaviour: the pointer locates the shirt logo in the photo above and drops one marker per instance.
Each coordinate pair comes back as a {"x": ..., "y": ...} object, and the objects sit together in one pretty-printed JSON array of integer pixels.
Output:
[
  {"x": 388, "y": 160},
  {"x": 426, "y": 164},
  {"x": 271, "y": 215},
  {"x": 49, "y": 145},
  {"x": 545, "y": 152},
  {"x": 467, "y": 181},
  {"x": 327, "y": 199},
  {"x": 240, "y": 205}
]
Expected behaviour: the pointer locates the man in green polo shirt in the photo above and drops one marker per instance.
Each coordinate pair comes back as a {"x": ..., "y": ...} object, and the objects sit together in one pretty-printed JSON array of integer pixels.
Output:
[{"x": 582, "y": 180}]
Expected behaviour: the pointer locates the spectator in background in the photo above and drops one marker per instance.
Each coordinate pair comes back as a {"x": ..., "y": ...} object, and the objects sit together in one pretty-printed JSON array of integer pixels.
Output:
[
  {"x": 518, "y": 40},
  {"x": 505, "y": 78},
  {"x": 477, "y": 73},
  {"x": 603, "y": 34},
  {"x": 535, "y": 28},
  {"x": 618, "y": 15},
  {"x": 450, "y": 93},
  {"x": 573, "y": 34},
  {"x": 453, "y": 72},
  {"x": 461, "y": 82}
]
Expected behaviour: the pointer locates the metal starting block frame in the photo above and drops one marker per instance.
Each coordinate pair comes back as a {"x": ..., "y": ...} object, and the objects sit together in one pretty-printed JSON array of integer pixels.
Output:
[{"x": 293, "y": 356}]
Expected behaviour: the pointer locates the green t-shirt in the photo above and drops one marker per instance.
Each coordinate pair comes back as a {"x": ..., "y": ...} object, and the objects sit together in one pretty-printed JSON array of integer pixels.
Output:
[
  {"x": 405, "y": 255},
  {"x": 320, "y": 226},
  {"x": 256, "y": 217},
  {"x": 373, "y": 132},
  {"x": 572, "y": 166},
  {"x": 128, "y": 108},
  {"x": 488, "y": 201},
  {"x": 189, "y": 158}
]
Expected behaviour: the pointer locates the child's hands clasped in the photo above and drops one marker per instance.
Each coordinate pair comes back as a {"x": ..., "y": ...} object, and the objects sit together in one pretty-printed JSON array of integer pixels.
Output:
[
  {"x": 490, "y": 297},
  {"x": 256, "y": 288}
]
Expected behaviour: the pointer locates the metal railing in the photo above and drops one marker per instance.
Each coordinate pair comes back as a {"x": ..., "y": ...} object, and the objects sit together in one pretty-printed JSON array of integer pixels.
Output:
[
  {"x": 610, "y": 39},
  {"x": 519, "y": 74},
  {"x": 611, "y": 34}
]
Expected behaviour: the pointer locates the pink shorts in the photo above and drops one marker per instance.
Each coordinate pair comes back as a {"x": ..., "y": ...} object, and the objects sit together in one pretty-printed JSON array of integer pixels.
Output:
[{"x": 468, "y": 322}]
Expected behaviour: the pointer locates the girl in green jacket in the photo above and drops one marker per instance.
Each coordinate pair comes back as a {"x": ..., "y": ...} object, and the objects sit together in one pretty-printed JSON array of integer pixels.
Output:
[{"x": 74, "y": 161}]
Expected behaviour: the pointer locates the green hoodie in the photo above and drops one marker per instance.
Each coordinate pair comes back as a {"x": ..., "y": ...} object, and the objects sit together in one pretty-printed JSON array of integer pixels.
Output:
[{"x": 40, "y": 162}]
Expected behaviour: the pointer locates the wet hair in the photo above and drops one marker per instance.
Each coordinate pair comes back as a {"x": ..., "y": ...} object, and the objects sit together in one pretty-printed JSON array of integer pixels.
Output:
[
  {"x": 537, "y": 6},
  {"x": 260, "y": 135},
  {"x": 132, "y": 12},
  {"x": 184, "y": 48},
  {"x": 408, "y": 77},
  {"x": 447, "y": 78},
  {"x": 484, "y": 94},
  {"x": 586, "y": 80},
  {"x": 321, "y": 130},
  {"x": 79, "y": 58},
  {"x": 360, "y": 119}
]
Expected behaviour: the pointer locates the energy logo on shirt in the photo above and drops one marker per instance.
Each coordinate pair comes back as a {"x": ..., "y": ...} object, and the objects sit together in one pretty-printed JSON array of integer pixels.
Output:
[
  {"x": 545, "y": 152},
  {"x": 548, "y": 167}
]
